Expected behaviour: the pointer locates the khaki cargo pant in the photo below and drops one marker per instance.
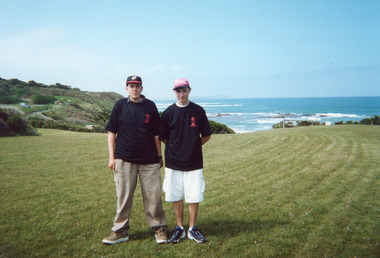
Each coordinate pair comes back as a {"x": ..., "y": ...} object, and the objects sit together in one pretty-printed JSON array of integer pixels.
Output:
[{"x": 125, "y": 177}]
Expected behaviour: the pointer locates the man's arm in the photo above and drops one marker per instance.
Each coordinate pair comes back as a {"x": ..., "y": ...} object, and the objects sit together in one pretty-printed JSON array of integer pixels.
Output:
[
  {"x": 158, "y": 146},
  {"x": 111, "y": 150},
  {"x": 205, "y": 139}
]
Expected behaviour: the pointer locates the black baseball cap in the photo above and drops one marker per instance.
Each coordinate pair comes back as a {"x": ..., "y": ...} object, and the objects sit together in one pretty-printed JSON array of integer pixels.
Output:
[{"x": 134, "y": 79}]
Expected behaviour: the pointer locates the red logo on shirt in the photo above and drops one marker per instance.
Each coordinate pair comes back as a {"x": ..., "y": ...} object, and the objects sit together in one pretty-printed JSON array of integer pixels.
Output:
[
  {"x": 193, "y": 122},
  {"x": 146, "y": 119}
]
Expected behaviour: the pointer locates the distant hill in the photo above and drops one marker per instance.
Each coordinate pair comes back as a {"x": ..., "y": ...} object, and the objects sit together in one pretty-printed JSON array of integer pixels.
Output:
[{"x": 67, "y": 104}]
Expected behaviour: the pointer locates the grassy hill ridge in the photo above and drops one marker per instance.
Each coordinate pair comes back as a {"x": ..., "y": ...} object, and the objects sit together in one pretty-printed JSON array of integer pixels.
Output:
[
  {"x": 72, "y": 105},
  {"x": 311, "y": 191},
  {"x": 27, "y": 90}
]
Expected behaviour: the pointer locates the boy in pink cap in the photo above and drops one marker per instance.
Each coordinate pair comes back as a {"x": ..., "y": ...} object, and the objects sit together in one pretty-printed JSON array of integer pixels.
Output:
[{"x": 184, "y": 129}]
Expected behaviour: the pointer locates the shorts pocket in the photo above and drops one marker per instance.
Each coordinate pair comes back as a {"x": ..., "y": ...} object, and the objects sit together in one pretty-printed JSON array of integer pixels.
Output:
[
  {"x": 165, "y": 183},
  {"x": 203, "y": 184}
]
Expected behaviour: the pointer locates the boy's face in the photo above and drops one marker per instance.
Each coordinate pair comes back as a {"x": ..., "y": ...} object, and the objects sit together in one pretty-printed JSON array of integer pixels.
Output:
[
  {"x": 134, "y": 90},
  {"x": 182, "y": 95}
]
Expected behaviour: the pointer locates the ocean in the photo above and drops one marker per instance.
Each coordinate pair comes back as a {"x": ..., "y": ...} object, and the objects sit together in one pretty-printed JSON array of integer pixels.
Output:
[{"x": 250, "y": 115}]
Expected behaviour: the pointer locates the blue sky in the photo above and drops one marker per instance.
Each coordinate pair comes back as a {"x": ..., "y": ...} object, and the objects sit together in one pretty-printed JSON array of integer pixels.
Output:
[{"x": 236, "y": 48}]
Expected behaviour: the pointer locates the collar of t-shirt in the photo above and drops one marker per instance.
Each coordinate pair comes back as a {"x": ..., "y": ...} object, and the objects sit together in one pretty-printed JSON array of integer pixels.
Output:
[
  {"x": 141, "y": 96},
  {"x": 182, "y": 106}
]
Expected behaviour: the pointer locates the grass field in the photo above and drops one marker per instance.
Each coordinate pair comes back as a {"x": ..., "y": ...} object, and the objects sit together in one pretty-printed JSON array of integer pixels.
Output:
[{"x": 290, "y": 192}]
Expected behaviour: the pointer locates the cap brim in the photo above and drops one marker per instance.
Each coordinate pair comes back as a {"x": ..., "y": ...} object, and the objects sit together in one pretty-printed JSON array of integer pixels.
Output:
[{"x": 181, "y": 86}]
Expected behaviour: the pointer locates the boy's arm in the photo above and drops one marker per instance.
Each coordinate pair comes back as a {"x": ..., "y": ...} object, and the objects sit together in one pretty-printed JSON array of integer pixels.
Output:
[
  {"x": 205, "y": 139},
  {"x": 158, "y": 146},
  {"x": 111, "y": 150}
]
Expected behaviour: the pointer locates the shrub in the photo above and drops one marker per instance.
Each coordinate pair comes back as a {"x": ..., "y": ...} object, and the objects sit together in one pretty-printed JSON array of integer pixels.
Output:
[
  {"x": 308, "y": 123},
  {"x": 43, "y": 99},
  {"x": 4, "y": 129},
  {"x": 36, "y": 122},
  {"x": 9, "y": 100},
  {"x": 283, "y": 124},
  {"x": 375, "y": 120},
  {"x": 218, "y": 128},
  {"x": 290, "y": 124},
  {"x": 101, "y": 118},
  {"x": 12, "y": 123}
]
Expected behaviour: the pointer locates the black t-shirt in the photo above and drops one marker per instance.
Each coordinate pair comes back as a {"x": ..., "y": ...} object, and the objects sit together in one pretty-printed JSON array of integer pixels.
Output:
[
  {"x": 135, "y": 125},
  {"x": 183, "y": 127}
]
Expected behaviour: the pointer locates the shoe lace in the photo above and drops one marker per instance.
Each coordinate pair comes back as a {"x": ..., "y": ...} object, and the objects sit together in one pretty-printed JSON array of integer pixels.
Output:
[
  {"x": 160, "y": 231},
  {"x": 178, "y": 232},
  {"x": 197, "y": 232}
]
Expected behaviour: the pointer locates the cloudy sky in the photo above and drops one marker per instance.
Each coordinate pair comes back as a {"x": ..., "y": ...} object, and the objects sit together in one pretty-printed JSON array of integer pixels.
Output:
[{"x": 235, "y": 48}]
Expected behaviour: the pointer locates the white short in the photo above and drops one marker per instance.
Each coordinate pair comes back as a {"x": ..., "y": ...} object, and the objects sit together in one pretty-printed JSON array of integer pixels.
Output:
[{"x": 178, "y": 184}]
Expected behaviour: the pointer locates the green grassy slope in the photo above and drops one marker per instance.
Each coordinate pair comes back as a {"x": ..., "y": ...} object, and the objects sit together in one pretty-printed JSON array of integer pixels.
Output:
[{"x": 295, "y": 192}]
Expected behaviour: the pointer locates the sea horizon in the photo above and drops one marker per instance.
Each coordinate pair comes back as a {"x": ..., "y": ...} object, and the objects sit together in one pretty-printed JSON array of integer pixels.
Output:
[{"x": 256, "y": 114}]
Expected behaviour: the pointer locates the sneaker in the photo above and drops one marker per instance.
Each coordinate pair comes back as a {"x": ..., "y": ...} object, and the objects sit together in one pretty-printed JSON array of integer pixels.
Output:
[
  {"x": 161, "y": 236},
  {"x": 196, "y": 235},
  {"x": 115, "y": 238},
  {"x": 178, "y": 234}
]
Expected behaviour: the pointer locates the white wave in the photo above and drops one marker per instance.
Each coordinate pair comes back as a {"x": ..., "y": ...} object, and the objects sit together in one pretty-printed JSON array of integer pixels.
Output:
[
  {"x": 162, "y": 105},
  {"x": 268, "y": 121},
  {"x": 310, "y": 118},
  {"x": 336, "y": 115},
  {"x": 217, "y": 105},
  {"x": 226, "y": 114},
  {"x": 269, "y": 115}
]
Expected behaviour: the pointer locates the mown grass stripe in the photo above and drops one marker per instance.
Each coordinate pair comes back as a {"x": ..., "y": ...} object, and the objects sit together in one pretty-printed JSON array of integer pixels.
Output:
[{"x": 292, "y": 192}]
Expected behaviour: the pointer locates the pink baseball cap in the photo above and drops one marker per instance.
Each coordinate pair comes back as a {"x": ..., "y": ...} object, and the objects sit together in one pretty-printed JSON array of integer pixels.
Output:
[{"x": 181, "y": 83}]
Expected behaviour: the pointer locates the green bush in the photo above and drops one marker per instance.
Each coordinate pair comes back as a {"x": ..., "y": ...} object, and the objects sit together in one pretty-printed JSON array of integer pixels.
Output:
[
  {"x": 375, "y": 120},
  {"x": 290, "y": 124},
  {"x": 12, "y": 124},
  {"x": 308, "y": 123},
  {"x": 4, "y": 129},
  {"x": 37, "y": 122},
  {"x": 43, "y": 99},
  {"x": 218, "y": 128},
  {"x": 9, "y": 100},
  {"x": 283, "y": 124},
  {"x": 101, "y": 117}
]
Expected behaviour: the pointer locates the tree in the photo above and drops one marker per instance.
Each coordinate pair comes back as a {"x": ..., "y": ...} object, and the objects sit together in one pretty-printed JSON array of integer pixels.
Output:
[{"x": 102, "y": 117}]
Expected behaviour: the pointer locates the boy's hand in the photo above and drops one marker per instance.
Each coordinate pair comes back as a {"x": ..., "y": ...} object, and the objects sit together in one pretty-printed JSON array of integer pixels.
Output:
[{"x": 111, "y": 164}]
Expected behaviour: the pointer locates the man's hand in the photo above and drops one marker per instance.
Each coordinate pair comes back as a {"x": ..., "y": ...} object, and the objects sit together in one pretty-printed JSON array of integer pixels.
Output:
[{"x": 111, "y": 164}]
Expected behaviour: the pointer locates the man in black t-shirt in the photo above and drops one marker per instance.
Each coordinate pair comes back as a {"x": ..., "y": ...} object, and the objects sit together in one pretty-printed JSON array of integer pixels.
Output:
[
  {"x": 184, "y": 129},
  {"x": 135, "y": 151}
]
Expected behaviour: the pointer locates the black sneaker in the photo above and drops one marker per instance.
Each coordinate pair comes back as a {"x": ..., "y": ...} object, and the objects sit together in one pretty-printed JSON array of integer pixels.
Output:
[
  {"x": 178, "y": 234},
  {"x": 196, "y": 235}
]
